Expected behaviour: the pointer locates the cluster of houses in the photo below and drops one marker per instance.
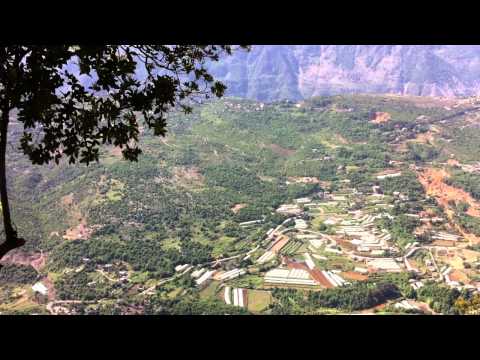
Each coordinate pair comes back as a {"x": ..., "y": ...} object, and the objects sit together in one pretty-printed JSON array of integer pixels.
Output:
[
  {"x": 384, "y": 265},
  {"x": 244, "y": 107},
  {"x": 118, "y": 270},
  {"x": 289, "y": 209},
  {"x": 276, "y": 240},
  {"x": 203, "y": 276},
  {"x": 366, "y": 237},
  {"x": 302, "y": 274},
  {"x": 302, "y": 180},
  {"x": 370, "y": 243},
  {"x": 301, "y": 224},
  {"x": 281, "y": 276},
  {"x": 266, "y": 257},
  {"x": 416, "y": 284},
  {"x": 295, "y": 209},
  {"x": 441, "y": 235},
  {"x": 231, "y": 274}
]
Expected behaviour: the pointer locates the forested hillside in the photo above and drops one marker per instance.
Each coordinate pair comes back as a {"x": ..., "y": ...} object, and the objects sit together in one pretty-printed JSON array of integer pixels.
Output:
[{"x": 228, "y": 162}]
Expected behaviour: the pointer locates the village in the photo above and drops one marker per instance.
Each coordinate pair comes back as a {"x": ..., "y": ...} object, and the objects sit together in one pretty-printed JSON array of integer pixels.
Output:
[
  {"x": 327, "y": 242},
  {"x": 330, "y": 238}
]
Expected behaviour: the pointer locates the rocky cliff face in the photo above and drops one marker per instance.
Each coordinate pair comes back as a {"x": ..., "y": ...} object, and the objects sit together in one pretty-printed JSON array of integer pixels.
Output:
[{"x": 273, "y": 72}]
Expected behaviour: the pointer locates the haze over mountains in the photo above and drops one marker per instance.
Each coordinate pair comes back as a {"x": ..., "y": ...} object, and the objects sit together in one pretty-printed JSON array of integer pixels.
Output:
[{"x": 274, "y": 72}]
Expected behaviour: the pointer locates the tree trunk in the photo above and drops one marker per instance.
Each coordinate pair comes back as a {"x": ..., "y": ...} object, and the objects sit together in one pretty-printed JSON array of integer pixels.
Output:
[
  {"x": 11, "y": 239},
  {"x": 3, "y": 179}
]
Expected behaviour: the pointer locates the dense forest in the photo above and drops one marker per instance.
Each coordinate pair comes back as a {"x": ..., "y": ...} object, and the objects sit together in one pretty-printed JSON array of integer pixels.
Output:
[{"x": 358, "y": 296}]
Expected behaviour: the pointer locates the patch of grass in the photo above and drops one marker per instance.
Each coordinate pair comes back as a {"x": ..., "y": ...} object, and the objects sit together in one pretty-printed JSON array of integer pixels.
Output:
[
  {"x": 174, "y": 293},
  {"x": 22, "y": 306},
  {"x": 247, "y": 281},
  {"x": 329, "y": 311},
  {"x": 222, "y": 245},
  {"x": 151, "y": 282},
  {"x": 317, "y": 222},
  {"x": 210, "y": 290},
  {"x": 335, "y": 262},
  {"x": 115, "y": 193},
  {"x": 139, "y": 277},
  {"x": 258, "y": 300},
  {"x": 168, "y": 244},
  {"x": 54, "y": 276}
]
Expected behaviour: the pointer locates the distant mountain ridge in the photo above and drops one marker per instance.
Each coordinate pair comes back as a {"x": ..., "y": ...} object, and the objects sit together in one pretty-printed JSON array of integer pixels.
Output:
[{"x": 275, "y": 72}]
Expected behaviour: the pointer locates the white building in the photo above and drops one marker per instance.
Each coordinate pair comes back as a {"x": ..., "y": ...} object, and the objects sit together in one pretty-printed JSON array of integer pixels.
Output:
[
  {"x": 266, "y": 257},
  {"x": 198, "y": 272},
  {"x": 289, "y": 209},
  {"x": 381, "y": 177},
  {"x": 248, "y": 223},
  {"x": 179, "y": 268},
  {"x": 303, "y": 200},
  {"x": 202, "y": 279},
  {"x": 232, "y": 274},
  {"x": 301, "y": 224},
  {"x": 40, "y": 288},
  {"x": 360, "y": 270},
  {"x": 333, "y": 278},
  {"x": 238, "y": 297},
  {"x": 308, "y": 260},
  {"x": 289, "y": 277},
  {"x": 227, "y": 295},
  {"x": 405, "y": 305},
  {"x": 385, "y": 264}
]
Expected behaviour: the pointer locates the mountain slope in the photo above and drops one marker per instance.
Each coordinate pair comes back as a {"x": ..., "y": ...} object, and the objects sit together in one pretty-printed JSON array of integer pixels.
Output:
[
  {"x": 228, "y": 162},
  {"x": 274, "y": 72}
]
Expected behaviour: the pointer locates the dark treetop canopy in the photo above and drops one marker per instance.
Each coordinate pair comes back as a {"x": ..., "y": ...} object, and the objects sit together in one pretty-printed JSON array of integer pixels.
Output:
[{"x": 72, "y": 99}]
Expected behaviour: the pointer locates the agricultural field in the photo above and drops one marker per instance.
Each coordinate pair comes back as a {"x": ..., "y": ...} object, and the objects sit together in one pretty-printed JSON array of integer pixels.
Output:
[
  {"x": 210, "y": 291},
  {"x": 258, "y": 300},
  {"x": 303, "y": 208}
]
